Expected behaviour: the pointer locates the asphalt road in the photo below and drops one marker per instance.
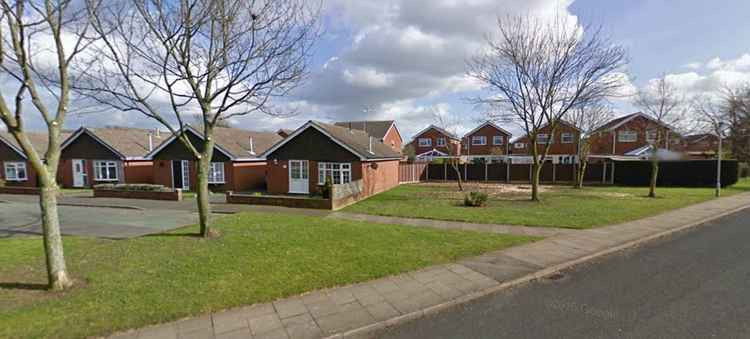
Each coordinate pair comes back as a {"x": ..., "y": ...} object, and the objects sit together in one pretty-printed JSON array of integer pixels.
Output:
[{"x": 693, "y": 285}]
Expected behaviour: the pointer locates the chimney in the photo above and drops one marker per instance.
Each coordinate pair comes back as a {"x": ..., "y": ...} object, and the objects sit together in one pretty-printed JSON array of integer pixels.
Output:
[
  {"x": 150, "y": 142},
  {"x": 252, "y": 148}
]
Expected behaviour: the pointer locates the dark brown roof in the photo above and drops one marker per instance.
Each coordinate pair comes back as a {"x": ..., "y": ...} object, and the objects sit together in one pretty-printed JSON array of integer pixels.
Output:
[
  {"x": 38, "y": 141},
  {"x": 237, "y": 141},
  {"x": 376, "y": 129}
]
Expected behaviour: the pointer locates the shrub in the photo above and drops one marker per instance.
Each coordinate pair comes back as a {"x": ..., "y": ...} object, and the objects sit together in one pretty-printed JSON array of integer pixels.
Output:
[
  {"x": 327, "y": 188},
  {"x": 475, "y": 199},
  {"x": 2, "y": 183},
  {"x": 744, "y": 170},
  {"x": 133, "y": 187}
]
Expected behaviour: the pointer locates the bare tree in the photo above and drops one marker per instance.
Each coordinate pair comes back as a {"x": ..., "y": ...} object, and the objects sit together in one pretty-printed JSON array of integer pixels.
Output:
[
  {"x": 33, "y": 33},
  {"x": 737, "y": 106},
  {"x": 215, "y": 58},
  {"x": 453, "y": 147},
  {"x": 667, "y": 106},
  {"x": 536, "y": 72},
  {"x": 587, "y": 118}
]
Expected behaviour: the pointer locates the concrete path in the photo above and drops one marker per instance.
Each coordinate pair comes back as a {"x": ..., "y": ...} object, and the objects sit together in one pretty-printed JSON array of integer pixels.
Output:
[
  {"x": 364, "y": 309},
  {"x": 455, "y": 225}
]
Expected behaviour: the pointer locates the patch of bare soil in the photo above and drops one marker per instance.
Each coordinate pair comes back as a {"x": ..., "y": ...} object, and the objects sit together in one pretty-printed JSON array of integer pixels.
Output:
[
  {"x": 496, "y": 191},
  {"x": 26, "y": 285}
]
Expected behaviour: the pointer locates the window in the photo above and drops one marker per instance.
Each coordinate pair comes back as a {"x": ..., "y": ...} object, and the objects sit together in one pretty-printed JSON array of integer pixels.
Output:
[
  {"x": 627, "y": 136},
  {"x": 543, "y": 138},
  {"x": 15, "y": 171},
  {"x": 441, "y": 141},
  {"x": 216, "y": 173},
  {"x": 497, "y": 140},
  {"x": 340, "y": 173},
  {"x": 425, "y": 142},
  {"x": 567, "y": 138},
  {"x": 519, "y": 145},
  {"x": 479, "y": 140},
  {"x": 652, "y": 136},
  {"x": 105, "y": 170}
]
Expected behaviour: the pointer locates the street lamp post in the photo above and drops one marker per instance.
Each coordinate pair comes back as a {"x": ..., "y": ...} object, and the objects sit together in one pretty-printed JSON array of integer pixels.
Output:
[{"x": 718, "y": 161}]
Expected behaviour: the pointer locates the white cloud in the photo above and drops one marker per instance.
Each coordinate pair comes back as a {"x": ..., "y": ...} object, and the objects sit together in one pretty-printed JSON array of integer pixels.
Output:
[{"x": 718, "y": 73}]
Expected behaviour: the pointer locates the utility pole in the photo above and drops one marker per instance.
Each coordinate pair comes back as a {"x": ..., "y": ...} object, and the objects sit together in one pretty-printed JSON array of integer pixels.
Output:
[{"x": 718, "y": 163}]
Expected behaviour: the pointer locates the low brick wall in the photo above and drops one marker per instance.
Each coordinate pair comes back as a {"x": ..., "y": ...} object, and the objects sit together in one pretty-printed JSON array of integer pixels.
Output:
[
  {"x": 175, "y": 195},
  {"x": 285, "y": 201},
  {"x": 19, "y": 190}
]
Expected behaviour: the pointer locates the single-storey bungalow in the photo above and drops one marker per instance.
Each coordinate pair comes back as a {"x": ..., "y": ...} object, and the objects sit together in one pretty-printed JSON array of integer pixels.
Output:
[
  {"x": 301, "y": 163},
  {"x": 92, "y": 156},
  {"x": 16, "y": 169},
  {"x": 236, "y": 163}
]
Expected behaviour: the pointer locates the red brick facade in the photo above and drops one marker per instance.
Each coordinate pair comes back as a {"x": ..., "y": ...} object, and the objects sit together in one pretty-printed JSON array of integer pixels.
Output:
[
  {"x": 559, "y": 146},
  {"x": 376, "y": 176},
  {"x": 393, "y": 138},
  {"x": 613, "y": 141},
  {"x": 238, "y": 176},
  {"x": 490, "y": 147},
  {"x": 433, "y": 134},
  {"x": 32, "y": 179}
]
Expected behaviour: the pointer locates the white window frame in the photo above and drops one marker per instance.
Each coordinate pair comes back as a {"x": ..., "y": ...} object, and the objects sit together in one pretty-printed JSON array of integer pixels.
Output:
[
  {"x": 103, "y": 170},
  {"x": 566, "y": 138},
  {"x": 519, "y": 145},
  {"x": 216, "y": 173},
  {"x": 495, "y": 139},
  {"x": 627, "y": 136},
  {"x": 340, "y": 172},
  {"x": 545, "y": 136},
  {"x": 440, "y": 142},
  {"x": 478, "y": 140},
  {"x": 424, "y": 142},
  {"x": 15, "y": 166}
]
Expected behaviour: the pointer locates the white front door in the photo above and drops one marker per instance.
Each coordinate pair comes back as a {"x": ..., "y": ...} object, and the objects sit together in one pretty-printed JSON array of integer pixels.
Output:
[
  {"x": 79, "y": 173},
  {"x": 298, "y": 177}
]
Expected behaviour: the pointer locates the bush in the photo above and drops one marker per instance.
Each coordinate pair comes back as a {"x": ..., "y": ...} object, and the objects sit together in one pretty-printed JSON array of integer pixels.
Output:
[
  {"x": 2, "y": 183},
  {"x": 744, "y": 170},
  {"x": 327, "y": 188},
  {"x": 475, "y": 199},
  {"x": 132, "y": 187}
]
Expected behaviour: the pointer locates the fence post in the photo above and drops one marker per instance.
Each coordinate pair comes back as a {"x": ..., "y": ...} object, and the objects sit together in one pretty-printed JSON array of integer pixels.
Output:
[
  {"x": 604, "y": 173},
  {"x": 486, "y": 178},
  {"x": 507, "y": 172},
  {"x": 445, "y": 171},
  {"x": 465, "y": 172},
  {"x": 427, "y": 172},
  {"x": 613, "y": 173},
  {"x": 531, "y": 174}
]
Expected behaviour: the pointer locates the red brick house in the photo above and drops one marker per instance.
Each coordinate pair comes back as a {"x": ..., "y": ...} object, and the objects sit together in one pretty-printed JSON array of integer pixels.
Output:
[
  {"x": 385, "y": 131},
  {"x": 351, "y": 157},
  {"x": 632, "y": 135},
  {"x": 433, "y": 142},
  {"x": 236, "y": 163},
  {"x": 16, "y": 170},
  {"x": 487, "y": 141},
  {"x": 563, "y": 143},
  {"x": 92, "y": 156}
]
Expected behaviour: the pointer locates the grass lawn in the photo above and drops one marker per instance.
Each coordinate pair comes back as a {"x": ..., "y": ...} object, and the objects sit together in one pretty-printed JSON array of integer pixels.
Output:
[
  {"x": 259, "y": 257},
  {"x": 560, "y": 206}
]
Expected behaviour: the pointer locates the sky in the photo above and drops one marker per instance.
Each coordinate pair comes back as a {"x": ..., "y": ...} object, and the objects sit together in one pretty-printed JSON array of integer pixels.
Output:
[{"x": 404, "y": 60}]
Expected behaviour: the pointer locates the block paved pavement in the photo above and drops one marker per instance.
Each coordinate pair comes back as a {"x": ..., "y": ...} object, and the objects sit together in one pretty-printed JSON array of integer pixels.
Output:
[{"x": 384, "y": 301}]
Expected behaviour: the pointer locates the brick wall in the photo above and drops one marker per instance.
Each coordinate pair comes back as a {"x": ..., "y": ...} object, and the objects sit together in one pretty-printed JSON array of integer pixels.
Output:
[
  {"x": 31, "y": 181},
  {"x": 489, "y": 148},
  {"x": 602, "y": 142},
  {"x": 556, "y": 148},
  {"x": 433, "y": 135}
]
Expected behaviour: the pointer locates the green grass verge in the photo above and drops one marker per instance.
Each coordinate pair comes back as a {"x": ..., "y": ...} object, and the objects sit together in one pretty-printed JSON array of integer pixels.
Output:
[
  {"x": 560, "y": 206},
  {"x": 259, "y": 257}
]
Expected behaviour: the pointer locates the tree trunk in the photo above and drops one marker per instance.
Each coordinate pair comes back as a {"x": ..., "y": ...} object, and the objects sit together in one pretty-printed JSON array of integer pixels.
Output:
[
  {"x": 458, "y": 177},
  {"x": 57, "y": 274},
  {"x": 536, "y": 172},
  {"x": 654, "y": 176},
  {"x": 581, "y": 174},
  {"x": 203, "y": 195}
]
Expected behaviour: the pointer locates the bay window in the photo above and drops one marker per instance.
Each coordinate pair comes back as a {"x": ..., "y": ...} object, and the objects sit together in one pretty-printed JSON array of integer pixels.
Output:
[
  {"x": 340, "y": 173},
  {"x": 216, "y": 173},
  {"x": 15, "y": 171},
  {"x": 105, "y": 170}
]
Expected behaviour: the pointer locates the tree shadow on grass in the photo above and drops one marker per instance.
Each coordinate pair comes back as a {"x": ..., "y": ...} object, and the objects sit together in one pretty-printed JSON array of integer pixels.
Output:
[{"x": 23, "y": 286}]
